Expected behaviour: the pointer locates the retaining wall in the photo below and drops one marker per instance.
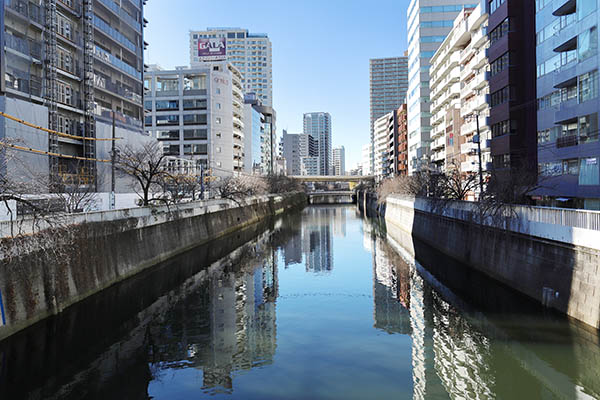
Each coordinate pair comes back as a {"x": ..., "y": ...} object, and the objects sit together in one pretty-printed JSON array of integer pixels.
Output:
[
  {"x": 43, "y": 273},
  {"x": 555, "y": 263}
]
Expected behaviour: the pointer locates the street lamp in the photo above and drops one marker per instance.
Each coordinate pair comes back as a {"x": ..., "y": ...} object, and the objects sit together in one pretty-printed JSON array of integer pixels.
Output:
[{"x": 477, "y": 139}]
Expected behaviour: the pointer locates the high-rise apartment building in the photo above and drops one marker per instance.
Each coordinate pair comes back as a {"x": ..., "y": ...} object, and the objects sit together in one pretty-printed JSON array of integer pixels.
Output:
[
  {"x": 295, "y": 147},
  {"x": 254, "y": 131},
  {"x": 366, "y": 162},
  {"x": 198, "y": 114},
  {"x": 381, "y": 143},
  {"x": 67, "y": 66},
  {"x": 428, "y": 21},
  {"x": 339, "y": 161},
  {"x": 459, "y": 95},
  {"x": 401, "y": 143},
  {"x": 568, "y": 149},
  {"x": 512, "y": 83},
  {"x": 318, "y": 125},
  {"x": 388, "y": 81},
  {"x": 249, "y": 52}
]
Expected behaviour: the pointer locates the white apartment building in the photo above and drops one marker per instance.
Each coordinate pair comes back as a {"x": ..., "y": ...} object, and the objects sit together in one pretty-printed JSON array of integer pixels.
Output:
[
  {"x": 474, "y": 93},
  {"x": 310, "y": 165},
  {"x": 458, "y": 80},
  {"x": 339, "y": 160},
  {"x": 197, "y": 113},
  {"x": 381, "y": 146},
  {"x": 428, "y": 23},
  {"x": 249, "y": 52}
]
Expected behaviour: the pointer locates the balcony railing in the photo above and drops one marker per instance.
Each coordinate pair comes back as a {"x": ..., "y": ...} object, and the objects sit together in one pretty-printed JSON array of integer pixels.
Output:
[
  {"x": 114, "y": 7},
  {"x": 115, "y": 34},
  {"x": 117, "y": 63},
  {"x": 25, "y": 46},
  {"x": 27, "y": 10}
]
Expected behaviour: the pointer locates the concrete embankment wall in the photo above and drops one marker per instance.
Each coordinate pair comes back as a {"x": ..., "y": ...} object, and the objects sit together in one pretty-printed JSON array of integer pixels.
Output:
[
  {"x": 546, "y": 254},
  {"x": 44, "y": 272}
]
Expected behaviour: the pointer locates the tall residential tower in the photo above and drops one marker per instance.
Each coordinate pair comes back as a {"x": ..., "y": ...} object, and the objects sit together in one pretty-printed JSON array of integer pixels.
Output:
[
  {"x": 249, "y": 52},
  {"x": 318, "y": 125},
  {"x": 388, "y": 82},
  {"x": 429, "y": 21}
]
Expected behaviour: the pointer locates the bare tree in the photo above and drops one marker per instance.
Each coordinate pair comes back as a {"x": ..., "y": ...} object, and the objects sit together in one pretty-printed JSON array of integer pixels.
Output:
[
  {"x": 147, "y": 165},
  {"x": 239, "y": 187},
  {"x": 179, "y": 186},
  {"x": 458, "y": 185},
  {"x": 283, "y": 184}
]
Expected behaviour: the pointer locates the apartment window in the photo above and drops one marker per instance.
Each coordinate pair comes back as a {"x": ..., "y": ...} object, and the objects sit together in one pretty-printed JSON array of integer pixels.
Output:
[
  {"x": 553, "y": 168},
  {"x": 65, "y": 27},
  {"x": 148, "y": 83},
  {"x": 195, "y": 149},
  {"x": 588, "y": 44},
  {"x": 162, "y": 105},
  {"x": 195, "y": 119},
  {"x": 167, "y": 119},
  {"x": 494, "y": 4},
  {"x": 501, "y": 161},
  {"x": 501, "y": 96},
  {"x": 65, "y": 93},
  {"x": 194, "y": 104},
  {"x": 167, "y": 84},
  {"x": 218, "y": 120},
  {"x": 550, "y": 100},
  {"x": 218, "y": 106},
  {"x": 66, "y": 125},
  {"x": 218, "y": 90},
  {"x": 568, "y": 93},
  {"x": 500, "y": 31},
  {"x": 589, "y": 172},
  {"x": 65, "y": 60},
  {"x": 167, "y": 135},
  {"x": 195, "y": 134},
  {"x": 194, "y": 82},
  {"x": 588, "y": 128},
  {"x": 148, "y": 105},
  {"x": 588, "y": 86},
  {"x": 548, "y": 135},
  {"x": 503, "y": 128},
  {"x": 570, "y": 167},
  {"x": 171, "y": 149},
  {"x": 500, "y": 64},
  {"x": 148, "y": 120},
  {"x": 585, "y": 8}
]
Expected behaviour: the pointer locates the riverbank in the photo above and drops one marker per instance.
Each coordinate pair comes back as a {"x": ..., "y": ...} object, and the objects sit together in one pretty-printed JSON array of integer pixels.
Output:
[
  {"x": 42, "y": 273},
  {"x": 551, "y": 255}
]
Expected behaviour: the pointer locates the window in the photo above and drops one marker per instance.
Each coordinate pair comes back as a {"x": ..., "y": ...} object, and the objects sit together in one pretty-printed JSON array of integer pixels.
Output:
[
  {"x": 195, "y": 134},
  {"x": 65, "y": 27},
  {"x": 148, "y": 105},
  {"x": 148, "y": 120},
  {"x": 585, "y": 8},
  {"x": 500, "y": 64},
  {"x": 195, "y": 119},
  {"x": 589, "y": 173},
  {"x": 164, "y": 135},
  {"x": 65, "y": 93},
  {"x": 501, "y": 161},
  {"x": 500, "y": 31},
  {"x": 195, "y": 104},
  {"x": 194, "y": 82},
  {"x": 503, "y": 128},
  {"x": 550, "y": 100},
  {"x": 570, "y": 167},
  {"x": 148, "y": 83},
  {"x": 171, "y": 149},
  {"x": 588, "y": 128},
  {"x": 494, "y": 4},
  {"x": 195, "y": 149},
  {"x": 167, "y": 84},
  {"x": 548, "y": 135},
  {"x": 217, "y": 91},
  {"x": 162, "y": 105},
  {"x": 553, "y": 168},
  {"x": 501, "y": 96},
  {"x": 218, "y": 120},
  {"x": 218, "y": 106},
  {"x": 65, "y": 60},
  {"x": 167, "y": 120},
  {"x": 588, "y": 86},
  {"x": 588, "y": 44}
]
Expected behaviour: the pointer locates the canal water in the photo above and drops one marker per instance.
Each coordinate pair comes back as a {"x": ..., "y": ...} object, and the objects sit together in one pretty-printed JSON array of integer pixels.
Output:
[{"x": 314, "y": 305}]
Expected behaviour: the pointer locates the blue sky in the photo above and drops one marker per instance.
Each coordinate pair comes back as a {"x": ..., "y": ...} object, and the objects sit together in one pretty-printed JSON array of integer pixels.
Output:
[{"x": 321, "y": 52}]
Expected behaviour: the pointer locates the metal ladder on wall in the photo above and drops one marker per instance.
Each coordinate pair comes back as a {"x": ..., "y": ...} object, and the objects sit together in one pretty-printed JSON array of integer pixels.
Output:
[
  {"x": 88, "y": 90},
  {"x": 51, "y": 86}
]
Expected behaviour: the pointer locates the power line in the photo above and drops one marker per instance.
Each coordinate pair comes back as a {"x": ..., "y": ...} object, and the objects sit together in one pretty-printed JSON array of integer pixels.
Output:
[
  {"x": 51, "y": 131},
  {"x": 48, "y": 153}
]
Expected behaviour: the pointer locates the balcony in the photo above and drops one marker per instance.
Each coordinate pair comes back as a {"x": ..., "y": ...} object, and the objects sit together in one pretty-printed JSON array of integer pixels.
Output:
[
  {"x": 468, "y": 148},
  {"x": 26, "y": 47},
  {"x": 438, "y": 143},
  {"x": 22, "y": 81},
  {"x": 113, "y": 88},
  {"x": 115, "y": 35},
  {"x": 121, "y": 65},
  {"x": 122, "y": 14},
  {"x": 470, "y": 166},
  {"x": 438, "y": 156},
  {"x": 479, "y": 37},
  {"x": 26, "y": 10}
]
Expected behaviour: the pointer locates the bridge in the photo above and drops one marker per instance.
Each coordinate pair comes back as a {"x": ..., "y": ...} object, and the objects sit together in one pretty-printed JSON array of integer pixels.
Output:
[
  {"x": 332, "y": 197},
  {"x": 333, "y": 178}
]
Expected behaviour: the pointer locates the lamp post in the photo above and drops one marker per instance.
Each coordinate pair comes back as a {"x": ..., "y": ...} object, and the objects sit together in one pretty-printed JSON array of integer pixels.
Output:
[{"x": 477, "y": 139}]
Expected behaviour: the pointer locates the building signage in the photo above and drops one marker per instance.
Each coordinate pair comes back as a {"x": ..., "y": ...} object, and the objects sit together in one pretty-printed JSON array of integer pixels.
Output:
[{"x": 212, "y": 49}]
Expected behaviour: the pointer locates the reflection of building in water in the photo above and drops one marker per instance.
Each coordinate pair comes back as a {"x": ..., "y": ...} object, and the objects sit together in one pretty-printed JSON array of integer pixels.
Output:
[
  {"x": 368, "y": 239},
  {"x": 339, "y": 222},
  {"x": 292, "y": 251},
  {"x": 389, "y": 313},
  {"x": 317, "y": 239},
  {"x": 242, "y": 319}
]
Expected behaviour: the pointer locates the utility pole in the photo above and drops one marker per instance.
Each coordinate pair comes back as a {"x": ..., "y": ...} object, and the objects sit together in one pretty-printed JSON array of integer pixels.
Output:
[
  {"x": 112, "y": 165},
  {"x": 479, "y": 155},
  {"x": 201, "y": 182}
]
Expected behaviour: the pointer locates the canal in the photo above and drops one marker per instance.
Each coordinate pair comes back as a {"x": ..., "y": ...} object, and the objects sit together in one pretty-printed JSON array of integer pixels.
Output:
[{"x": 317, "y": 304}]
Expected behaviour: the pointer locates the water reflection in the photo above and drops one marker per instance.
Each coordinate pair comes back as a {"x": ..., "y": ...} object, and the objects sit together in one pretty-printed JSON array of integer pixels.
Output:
[{"x": 320, "y": 304}]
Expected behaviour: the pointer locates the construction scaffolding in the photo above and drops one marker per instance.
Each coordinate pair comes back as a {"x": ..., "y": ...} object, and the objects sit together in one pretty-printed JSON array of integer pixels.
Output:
[
  {"x": 50, "y": 82},
  {"x": 89, "y": 146}
]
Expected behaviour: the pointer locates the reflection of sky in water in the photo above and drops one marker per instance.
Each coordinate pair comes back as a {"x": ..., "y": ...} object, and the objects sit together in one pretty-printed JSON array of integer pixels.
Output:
[{"x": 352, "y": 320}]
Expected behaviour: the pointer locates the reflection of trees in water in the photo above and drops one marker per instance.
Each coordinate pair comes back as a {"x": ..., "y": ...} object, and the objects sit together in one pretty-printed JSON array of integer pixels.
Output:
[{"x": 226, "y": 325}]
